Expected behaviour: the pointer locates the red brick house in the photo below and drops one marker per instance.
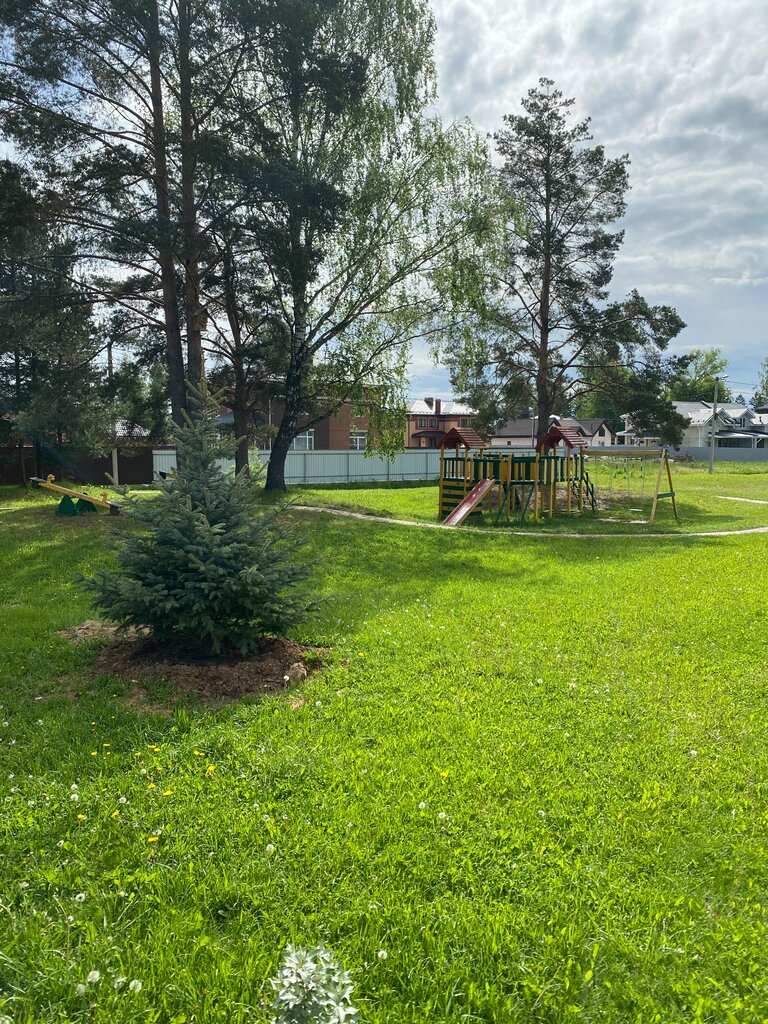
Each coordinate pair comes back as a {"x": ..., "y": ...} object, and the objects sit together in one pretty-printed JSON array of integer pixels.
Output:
[{"x": 429, "y": 419}]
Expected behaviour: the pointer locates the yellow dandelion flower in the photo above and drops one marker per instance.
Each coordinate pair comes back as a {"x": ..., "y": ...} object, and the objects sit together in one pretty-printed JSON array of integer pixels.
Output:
[
  {"x": 106, "y": 744},
  {"x": 151, "y": 786},
  {"x": 198, "y": 753},
  {"x": 81, "y": 817},
  {"x": 443, "y": 775},
  {"x": 167, "y": 792},
  {"x": 115, "y": 814},
  {"x": 210, "y": 769},
  {"x": 152, "y": 839},
  {"x": 94, "y": 753}
]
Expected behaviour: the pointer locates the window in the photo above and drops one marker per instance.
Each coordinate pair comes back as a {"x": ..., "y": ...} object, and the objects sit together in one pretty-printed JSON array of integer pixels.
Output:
[
  {"x": 433, "y": 422},
  {"x": 422, "y": 421},
  {"x": 304, "y": 442},
  {"x": 357, "y": 440},
  {"x": 463, "y": 422}
]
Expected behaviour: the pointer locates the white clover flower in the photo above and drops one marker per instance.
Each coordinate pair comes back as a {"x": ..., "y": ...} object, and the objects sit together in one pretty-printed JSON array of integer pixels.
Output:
[
  {"x": 30, "y": 803},
  {"x": 693, "y": 753},
  {"x": 119, "y": 981},
  {"x": 422, "y": 806},
  {"x": 15, "y": 789},
  {"x": 123, "y": 800},
  {"x": 135, "y": 985},
  {"x": 442, "y": 815},
  {"x": 80, "y": 897},
  {"x": 24, "y": 885},
  {"x": 39, "y": 721},
  {"x": 382, "y": 954},
  {"x": 93, "y": 977},
  {"x": 11, "y": 775}
]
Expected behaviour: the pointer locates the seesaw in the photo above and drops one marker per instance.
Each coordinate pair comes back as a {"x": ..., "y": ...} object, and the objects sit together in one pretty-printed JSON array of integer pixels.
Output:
[{"x": 84, "y": 503}]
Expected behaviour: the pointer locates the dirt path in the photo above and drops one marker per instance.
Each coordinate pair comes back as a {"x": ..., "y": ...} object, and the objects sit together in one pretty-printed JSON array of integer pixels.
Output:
[{"x": 527, "y": 533}]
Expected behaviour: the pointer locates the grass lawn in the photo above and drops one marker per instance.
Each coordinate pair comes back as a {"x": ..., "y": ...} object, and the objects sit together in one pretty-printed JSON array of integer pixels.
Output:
[
  {"x": 704, "y": 502},
  {"x": 534, "y": 773}
]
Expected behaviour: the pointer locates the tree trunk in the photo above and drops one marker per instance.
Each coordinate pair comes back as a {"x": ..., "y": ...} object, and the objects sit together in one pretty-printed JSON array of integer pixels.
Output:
[
  {"x": 174, "y": 349},
  {"x": 194, "y": 315},
  {"x": 287, "y": 431},
  {"x": 240, "y": 413}
]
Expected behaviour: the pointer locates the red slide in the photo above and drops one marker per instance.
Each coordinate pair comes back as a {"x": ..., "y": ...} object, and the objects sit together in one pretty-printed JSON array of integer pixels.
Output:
[{"x": 474, "y": 498}]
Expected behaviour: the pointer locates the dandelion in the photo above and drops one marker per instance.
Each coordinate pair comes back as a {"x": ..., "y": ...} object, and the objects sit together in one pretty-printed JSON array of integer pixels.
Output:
[
  {"x": 94, "y": 753},
  {"x": 74, "y": 787},
  {"x": 11, "y": 775},
  {"x": 39, "y": 721},
  {"x": 24, "y": 885},
  {"x": 81, "y": 817},
  {"x": 151, "y": 786},
  {"x": 80, "y": 897},
  {"x": 30, "y": 803},
  {"x": 123, "y": 800},
  {"x": 198, "y": 753},
  {"x": 115, "y": 814},
  {"x": 80, "y": 989},
  {"x": 142, "y": 771},
  {"x": 541, "y": 814},
  {"x": 167, "y": 792},
  {"x": 119, "y": 981},
  {"x": 382, "y": 954},
  {"x": 442, "y": 815},
  {"x": 74, "y": 797},
  {"x": 93, "y": 977},
  {"x": 693, "y": 753},
  {"x": 210, "y": 769},
  {"x": 423, "y": 806},
  {"x": 152, "y": 839},
  {"x": 134, "y": 986},
  {"x": 70, "y": 919},
  {"x": 270, "y": 848}
]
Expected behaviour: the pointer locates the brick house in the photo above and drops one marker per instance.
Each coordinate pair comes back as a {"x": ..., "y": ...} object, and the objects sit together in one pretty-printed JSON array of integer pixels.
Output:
[
  {"x": 339, "y": 432},
  {"x": 429, "y": 419}
]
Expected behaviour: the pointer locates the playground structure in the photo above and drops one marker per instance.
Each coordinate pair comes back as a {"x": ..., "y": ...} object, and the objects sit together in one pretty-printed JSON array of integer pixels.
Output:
[
  {"x": 84, "y": 503},
  {"x": 553, "y": 479}
]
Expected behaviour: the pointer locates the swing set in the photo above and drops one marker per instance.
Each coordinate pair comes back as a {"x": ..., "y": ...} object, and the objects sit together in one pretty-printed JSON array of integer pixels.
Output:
[{"x": 623, "y": 476}]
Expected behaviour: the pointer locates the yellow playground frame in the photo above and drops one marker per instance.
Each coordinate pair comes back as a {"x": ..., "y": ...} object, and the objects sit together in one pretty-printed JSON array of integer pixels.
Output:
[{"x": 531, "y": 482}]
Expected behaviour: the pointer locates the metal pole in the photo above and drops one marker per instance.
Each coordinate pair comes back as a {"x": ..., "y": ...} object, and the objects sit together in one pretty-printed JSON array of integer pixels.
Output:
[{"x": 714, "y": 427}]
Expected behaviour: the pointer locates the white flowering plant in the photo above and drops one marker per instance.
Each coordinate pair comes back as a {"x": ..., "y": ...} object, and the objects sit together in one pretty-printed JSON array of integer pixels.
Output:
[{"x": 311, "y": 988}]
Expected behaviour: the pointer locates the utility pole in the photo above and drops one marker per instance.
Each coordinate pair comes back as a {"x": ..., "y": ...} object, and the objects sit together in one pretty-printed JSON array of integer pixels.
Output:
[{"x": 714, "y": 426}]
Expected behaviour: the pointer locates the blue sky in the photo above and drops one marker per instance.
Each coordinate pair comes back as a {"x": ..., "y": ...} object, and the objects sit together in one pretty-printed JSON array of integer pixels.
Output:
[{"x": 680, "y": 86}]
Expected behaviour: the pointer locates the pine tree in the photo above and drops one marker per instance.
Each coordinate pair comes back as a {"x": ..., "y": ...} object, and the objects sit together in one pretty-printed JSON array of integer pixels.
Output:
[{"x": 207, "y": 568}]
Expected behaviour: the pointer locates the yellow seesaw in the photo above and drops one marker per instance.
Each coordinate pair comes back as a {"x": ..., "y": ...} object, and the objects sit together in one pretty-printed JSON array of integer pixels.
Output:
[{"x": 85, "y": 503}]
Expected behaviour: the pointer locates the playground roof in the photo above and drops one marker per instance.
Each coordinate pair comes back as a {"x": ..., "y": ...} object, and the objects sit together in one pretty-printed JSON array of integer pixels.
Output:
[
  {"x": 570, "y": 437},
  {"x": 465, "y": 437}
]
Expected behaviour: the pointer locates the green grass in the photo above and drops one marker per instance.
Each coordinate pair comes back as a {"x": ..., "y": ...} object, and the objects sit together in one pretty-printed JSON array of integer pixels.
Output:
[
  {"x": 583, "y": 722},
  {"x": 702, "y": 500}
]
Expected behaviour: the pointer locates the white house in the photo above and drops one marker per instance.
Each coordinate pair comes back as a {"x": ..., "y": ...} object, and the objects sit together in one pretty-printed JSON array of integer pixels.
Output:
[
  {"x": 522, "y": 433},
  {"x": 736, "y": 426}
]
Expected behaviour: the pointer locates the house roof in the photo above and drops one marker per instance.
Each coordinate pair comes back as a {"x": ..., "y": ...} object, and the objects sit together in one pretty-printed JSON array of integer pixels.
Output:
[
  {"x": 516, "y": 428},
  {"x": 591, "y": 426},
  {"x": 447, "y": 408},
  {"x": 467, "y": 437},
  {"x": 572, "y": 438}
]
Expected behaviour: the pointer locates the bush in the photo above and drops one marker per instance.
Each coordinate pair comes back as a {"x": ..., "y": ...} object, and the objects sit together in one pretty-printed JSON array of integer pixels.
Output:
[{"x": 208, "y": 567}]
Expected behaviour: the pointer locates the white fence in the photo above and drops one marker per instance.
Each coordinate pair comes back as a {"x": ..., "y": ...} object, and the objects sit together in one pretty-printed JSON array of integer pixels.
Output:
[
  {"x": 725, "y": 454},
  {"x": 334, "y": 467}
]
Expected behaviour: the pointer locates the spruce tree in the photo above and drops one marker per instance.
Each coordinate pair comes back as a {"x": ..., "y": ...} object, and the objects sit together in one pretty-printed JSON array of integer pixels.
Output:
[{"x": 207, "y": 567}]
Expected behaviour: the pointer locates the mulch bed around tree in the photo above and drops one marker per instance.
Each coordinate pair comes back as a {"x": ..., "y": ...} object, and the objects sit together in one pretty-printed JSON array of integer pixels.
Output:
[{"x": 139, "y": 659}]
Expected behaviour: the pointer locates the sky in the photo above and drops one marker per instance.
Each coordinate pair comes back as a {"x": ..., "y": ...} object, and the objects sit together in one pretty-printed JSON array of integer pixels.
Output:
[{"x": 682, "y": 87}]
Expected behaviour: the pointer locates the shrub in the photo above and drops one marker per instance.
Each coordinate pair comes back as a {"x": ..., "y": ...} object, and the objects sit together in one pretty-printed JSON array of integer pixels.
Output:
[
  {"x": 311, "y": 988},
  {"x": 208, "y": 566}
]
